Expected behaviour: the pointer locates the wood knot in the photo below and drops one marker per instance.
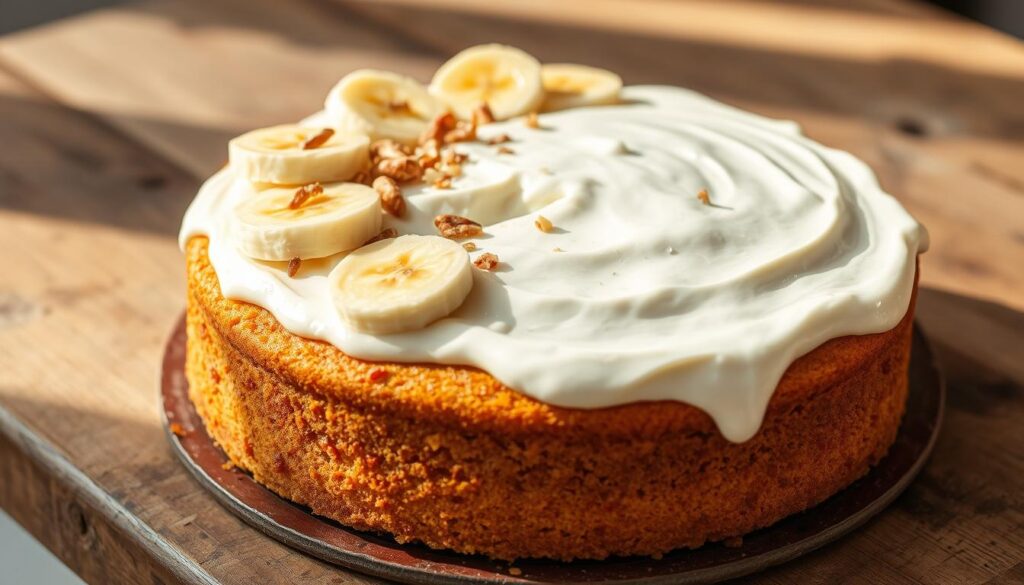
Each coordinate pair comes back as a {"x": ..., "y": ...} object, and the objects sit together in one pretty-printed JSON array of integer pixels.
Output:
[
  {"x": 78, "y": 525},
  {"x": 16, "y": 310},
  {"x": 152, "y": 182},
  {"x": 912, "y": 127}
]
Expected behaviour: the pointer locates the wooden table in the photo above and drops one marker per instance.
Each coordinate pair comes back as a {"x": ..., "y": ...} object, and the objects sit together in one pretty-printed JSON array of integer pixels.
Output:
[{"x": 109, "y": 121}]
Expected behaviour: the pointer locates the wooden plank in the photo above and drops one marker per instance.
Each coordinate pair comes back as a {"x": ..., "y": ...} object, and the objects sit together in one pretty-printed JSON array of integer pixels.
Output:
[
  {"x": 90, "y": 202},
  {"x": 184, "y": 77},
  {"x": 82, "y": 524},
  {"x": 94, "y": 281}
]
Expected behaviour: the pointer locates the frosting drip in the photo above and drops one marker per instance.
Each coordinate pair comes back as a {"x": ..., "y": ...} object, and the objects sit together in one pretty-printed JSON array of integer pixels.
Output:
[{"x": 641, "y": 292}]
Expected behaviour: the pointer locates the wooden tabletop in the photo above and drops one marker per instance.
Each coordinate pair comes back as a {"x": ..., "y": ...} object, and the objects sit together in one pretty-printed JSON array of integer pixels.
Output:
[{"x": 109, "y": 121}]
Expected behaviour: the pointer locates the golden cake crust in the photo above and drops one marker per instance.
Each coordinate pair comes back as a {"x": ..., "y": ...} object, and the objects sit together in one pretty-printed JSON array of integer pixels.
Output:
[{"x": 449, "y": 456}]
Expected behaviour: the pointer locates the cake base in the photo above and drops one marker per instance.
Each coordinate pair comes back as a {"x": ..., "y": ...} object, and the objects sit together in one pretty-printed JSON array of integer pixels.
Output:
[{"x": 381, "y": 556}]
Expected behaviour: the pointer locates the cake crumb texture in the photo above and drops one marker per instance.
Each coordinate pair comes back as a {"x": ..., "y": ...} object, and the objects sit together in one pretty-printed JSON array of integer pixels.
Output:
[{"x": 450, "y": 457}]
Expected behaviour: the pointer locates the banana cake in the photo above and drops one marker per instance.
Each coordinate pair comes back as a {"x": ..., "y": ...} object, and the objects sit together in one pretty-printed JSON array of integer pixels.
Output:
[{"x": 526, "y": 311}]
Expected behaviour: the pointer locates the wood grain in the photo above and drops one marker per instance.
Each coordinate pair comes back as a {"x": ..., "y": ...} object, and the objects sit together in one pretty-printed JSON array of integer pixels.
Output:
[
  {"x": 88, "y": 239},
  {"x": 109, "y": 120}
]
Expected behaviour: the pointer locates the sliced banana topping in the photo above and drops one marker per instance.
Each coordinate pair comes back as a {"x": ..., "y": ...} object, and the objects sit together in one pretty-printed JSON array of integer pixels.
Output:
[
  {"x": 382, "y": 105},
  {"x": 507, "y": 79},
  {"x": 293, "y": 154},
  {"x": 401, "y": 284},
  {"x": 312, "y": 221},
  {"x": 567, "y": 85}
]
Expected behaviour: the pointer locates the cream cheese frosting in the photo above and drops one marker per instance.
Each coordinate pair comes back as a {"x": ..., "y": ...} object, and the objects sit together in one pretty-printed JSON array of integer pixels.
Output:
[{"x": 641, "y": 292}]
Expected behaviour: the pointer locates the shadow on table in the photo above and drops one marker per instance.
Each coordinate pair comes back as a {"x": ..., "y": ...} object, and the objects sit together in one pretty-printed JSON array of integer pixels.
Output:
[
  {"x": 975, "y": 476},
  {"x": 71, "y": 165}
]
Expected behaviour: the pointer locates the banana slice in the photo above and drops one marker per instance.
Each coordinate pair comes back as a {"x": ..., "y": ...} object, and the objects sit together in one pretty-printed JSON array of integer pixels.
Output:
[
  {"x": 333, "y": 218},
  {"x": 292, "y": 154},
  {"x": 571, "y": 86},
  {"x": 382, "y": 105},
  {"x": 506, "y": 78},
  {"x": 401, "y": 284}
]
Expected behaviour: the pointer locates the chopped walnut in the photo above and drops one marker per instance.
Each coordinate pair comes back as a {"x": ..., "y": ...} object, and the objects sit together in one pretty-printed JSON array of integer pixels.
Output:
[
  {"x": 444, "y": 182},
  {"x": 318, "y": 140},
  {"x": 463, "y": 132},
  {"x": 532, "y": 121},
  {"x": 482, "y": 115},
  {"x": 385, "y": 234},
  {"x": 388, "y": 148},
  {"x": 486, "y": 261},
  {"x": 499, "y": 139},
  {"x": 432, "y": 175},
  {"x": 452, "y": 156},
  {"x": 505, "y": 150},
  {"x": 438, "y": 127},
  {"x": 399, "y": 107},
  {"x": 362, "y": 177},
  {"x": 428, "y": 154},
  {"x": 543, "y": 224},
  {"x": 390, "y": 195},
  {"x": 469, "y": 246},
  {"x": 293, "y": 266},
  {"x": 704, "y": 197},
  {"x": 304, "y": 193},
  {"x": 402, "y": 169},
  {"x": 427, "y": 161},
  {"x": 451, "y": 169},
  {"x": 456, "y": 227}
]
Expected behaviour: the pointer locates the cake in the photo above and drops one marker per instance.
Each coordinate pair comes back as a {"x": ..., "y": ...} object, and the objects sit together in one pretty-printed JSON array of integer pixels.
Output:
[{"x": 636, "y": 321}]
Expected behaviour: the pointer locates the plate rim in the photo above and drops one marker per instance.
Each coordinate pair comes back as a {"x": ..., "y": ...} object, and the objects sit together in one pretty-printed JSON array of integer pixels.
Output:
[{"x": 172, "y": 371}]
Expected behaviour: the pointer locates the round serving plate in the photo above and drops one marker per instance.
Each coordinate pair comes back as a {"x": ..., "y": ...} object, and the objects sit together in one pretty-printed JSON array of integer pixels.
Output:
[{"x": 382, "y": 556}]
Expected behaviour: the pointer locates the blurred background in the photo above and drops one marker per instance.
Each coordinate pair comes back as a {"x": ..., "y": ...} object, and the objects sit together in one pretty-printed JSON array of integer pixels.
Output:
[{"x": 1005, "y": 15}]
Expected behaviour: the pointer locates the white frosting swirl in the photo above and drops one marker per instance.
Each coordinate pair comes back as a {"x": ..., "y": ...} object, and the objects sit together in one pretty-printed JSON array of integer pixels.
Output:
[{"x": 656, "y": 295}]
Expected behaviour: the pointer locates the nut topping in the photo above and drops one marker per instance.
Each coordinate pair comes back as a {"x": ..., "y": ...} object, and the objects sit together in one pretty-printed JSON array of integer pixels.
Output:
[
  {"x": 403, "y": 169},
  {"x": 304, "y": 193},
  {"x": 486, "y": 261},
  {"x": 293, "y": 266},
  {"x": 438, "y": 127},
  {"x": 318, "y": 140},
  {"x": 390, "y": 195},
  {"x": 385, "y": 234},
  {"x": 543, "y": 224},
  {"x": 388, "y": 148},
  {"x": 463, "y": 132},
  {"x": 482, "y": 115},
  {"x": 455, "y": 227}
]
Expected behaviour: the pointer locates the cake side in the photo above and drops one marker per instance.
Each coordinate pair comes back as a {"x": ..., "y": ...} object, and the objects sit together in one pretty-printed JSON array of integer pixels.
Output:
[{"x": 450, "y": 457}]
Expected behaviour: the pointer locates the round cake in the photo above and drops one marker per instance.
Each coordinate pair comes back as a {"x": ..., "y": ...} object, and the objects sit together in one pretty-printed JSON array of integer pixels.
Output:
[{"x": 637, "y": 321}]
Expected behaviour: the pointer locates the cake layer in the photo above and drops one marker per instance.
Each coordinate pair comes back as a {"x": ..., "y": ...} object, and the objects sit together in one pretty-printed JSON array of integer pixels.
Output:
[{"x": 451, "y": 457}]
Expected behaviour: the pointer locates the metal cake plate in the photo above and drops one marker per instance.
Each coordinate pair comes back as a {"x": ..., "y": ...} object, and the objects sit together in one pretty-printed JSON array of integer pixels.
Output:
[{"x": 382, "y": 556}]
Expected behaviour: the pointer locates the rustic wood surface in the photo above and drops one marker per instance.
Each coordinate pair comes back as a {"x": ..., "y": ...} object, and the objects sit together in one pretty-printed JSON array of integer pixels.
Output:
[{"x": 109, "y": 121}]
